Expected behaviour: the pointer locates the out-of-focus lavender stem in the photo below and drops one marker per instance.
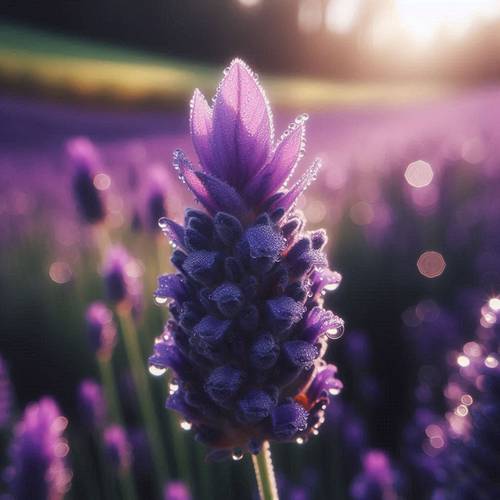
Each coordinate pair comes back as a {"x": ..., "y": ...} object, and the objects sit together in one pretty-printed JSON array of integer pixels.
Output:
[
  {"x": 108, "y": 379},
  {"x": 144, "y": 394},
  {"x": 102, "y": 239}
]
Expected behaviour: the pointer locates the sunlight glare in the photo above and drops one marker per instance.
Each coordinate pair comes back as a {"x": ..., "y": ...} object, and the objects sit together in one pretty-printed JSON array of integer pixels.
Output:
[
  {"x": 341, "y": 15},
  {"x": 424, "y": 19}
]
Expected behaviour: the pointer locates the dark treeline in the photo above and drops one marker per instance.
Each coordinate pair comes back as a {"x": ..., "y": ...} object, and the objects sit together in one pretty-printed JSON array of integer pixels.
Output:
[{"x": 268, "y": 35}]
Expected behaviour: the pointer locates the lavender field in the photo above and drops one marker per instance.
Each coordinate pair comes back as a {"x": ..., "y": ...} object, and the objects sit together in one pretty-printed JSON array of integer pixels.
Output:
[{"x": 163, "y": 323}]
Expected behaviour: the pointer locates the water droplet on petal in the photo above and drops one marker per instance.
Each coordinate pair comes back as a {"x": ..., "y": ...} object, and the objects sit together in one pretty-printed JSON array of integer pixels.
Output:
[
  {"x": 237, "y": 455},
  {"x": 161, "y": 300},
  {"x": 157, "y": 371},
  {"x": 186, "y": 426},
  {"x": 300, "y": 440},
  {"x": 336, "y": 332}
]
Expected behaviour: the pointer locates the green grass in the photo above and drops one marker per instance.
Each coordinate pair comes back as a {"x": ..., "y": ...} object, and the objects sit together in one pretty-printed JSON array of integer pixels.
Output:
[{"x": 64, "y": 67}]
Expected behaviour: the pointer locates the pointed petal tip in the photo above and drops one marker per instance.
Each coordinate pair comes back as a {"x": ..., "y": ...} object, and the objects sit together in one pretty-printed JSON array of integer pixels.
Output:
[
  {"x": 243, "y": 133},
  {"x": 241, "y": 63},
  {"x": 197, "y": 98},
  {"x": 289, "y": 199}
]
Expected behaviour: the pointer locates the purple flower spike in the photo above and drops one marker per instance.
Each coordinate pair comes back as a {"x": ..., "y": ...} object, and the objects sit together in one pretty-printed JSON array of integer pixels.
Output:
[
  {"x": 156, "y": 198},
  {"x": 101, "y": 329},
  {"x": 122, "y": 275},
  {"x": 247, "y": 330},
  {"x": 117, "y": 447},
  {"x": 85, "y": 163},
  {"x": 38, "y": 469},
  {"x": 176, "y": 490},
  {"x": 91, "y": 404},
  {"x": 377, "y": 479}
]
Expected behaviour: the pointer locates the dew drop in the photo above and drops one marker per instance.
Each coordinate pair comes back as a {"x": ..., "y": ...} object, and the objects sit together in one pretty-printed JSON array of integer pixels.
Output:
[
  {"x": 173, "y": 387},
  {"x": 186, "y": 426},
  {"x": 334, "y": 391},
  {"x": 332, "y": 286},
  {"x": 237, "y": 455},
  {"x": 161, "y": 300},
  {"x": 163, "y": 222},
  {"x": 157, "y": 371},
  {"x": 335, "y": 332},
  {"x": 300, "y": 440}
]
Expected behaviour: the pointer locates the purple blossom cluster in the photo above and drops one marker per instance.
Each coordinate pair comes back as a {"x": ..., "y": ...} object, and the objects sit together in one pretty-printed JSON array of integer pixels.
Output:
[
  {"x": 248, "y": 332},
  {"x": 37, "y": 454}
]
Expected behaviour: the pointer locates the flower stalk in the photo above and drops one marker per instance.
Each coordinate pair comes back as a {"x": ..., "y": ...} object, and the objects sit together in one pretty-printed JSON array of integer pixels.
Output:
[
  {"x": 108, "y": 380},
  {"x": 264, "y": 473},
  {"x": 143, "y": 393}
]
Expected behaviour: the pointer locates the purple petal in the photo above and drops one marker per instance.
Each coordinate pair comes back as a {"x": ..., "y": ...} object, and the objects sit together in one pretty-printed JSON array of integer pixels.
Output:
[
  {"x": 324, "y": 280},
  {"x": 288, "y": 419},
  {"x": 173, "y": 231},
  {"x": 188, "y": 175},
  {"x": 289, "y": 199},
  {"x": 200, "y": 121},
  {"x": 223, "y": 197},
  {"x": 300, "y": 353},
  {"x": 242, "y": 128},
  {"x": 170, "y": 286},
  {"x": 276, "y": 173},
  {"x": 325, "y": 383},
  {"x": 320, "y": 322}
]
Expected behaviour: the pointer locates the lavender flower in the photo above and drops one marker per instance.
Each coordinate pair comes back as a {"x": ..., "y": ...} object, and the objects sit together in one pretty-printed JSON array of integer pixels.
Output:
[
  {"x": 377, "y": 479},
  {"x": 176, "y": 490},
  {"x": 122, "y": 278},
  {"x": 5, "y": 396},
  {"x": 85, "y": 162},
  {"x": 247, "y": 332},
  {"x": 39, "y": 471},
  {"x": 91, "y": 404},
  {"x": 117, "y": 447},
  {"x": 473, "y": 467},
  {"x": 471, "y": 459},
  {"x": 101, "y": 329},
  {"x": 156, "y": 199},
  {"x": 142, "y": 462}
]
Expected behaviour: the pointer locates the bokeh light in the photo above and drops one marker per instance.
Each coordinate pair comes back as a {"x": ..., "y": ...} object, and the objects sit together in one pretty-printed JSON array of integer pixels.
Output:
[
  {"x": 60, "y": 272},
  {"x": 431, "y": 264},
  {"x": 102, "y": 181},
  {"x": 419, "y": 174}
]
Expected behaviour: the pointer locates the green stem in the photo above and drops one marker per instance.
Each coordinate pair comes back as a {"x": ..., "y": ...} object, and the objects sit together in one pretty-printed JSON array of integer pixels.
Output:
[
  {"x": 126, "y": 485},
  {"x": 108, "y": 380},
  {"x": 102, "y": 239},
  {"x": 144, "y": 395},
  {"x": 264, "y": 473},
  {"x": 180, "y": 450}
]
